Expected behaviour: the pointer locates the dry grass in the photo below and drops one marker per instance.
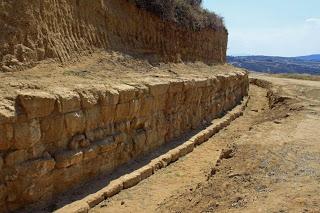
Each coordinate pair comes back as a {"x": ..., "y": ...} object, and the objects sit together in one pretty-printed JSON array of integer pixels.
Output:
[{"x": 186, "y": 13}]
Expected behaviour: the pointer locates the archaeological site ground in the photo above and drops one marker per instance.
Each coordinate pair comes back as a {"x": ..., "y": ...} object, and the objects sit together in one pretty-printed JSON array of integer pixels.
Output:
[{"x": 129, "y": 106}]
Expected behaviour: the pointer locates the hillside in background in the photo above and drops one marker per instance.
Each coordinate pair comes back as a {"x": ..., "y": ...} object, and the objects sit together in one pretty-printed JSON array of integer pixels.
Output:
[{"x": 270, "y": 64}]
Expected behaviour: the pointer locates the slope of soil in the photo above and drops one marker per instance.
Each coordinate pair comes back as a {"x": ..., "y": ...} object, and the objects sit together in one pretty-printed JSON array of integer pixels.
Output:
[{"x": 271, "y": 162}]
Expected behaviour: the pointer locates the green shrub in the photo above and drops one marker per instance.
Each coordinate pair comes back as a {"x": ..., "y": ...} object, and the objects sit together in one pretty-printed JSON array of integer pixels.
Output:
[{"x": 186, "y": 13}]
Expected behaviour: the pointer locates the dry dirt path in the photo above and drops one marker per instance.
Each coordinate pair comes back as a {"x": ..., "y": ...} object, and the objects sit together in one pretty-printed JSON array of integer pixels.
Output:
[{"x": 274, "y": 167}]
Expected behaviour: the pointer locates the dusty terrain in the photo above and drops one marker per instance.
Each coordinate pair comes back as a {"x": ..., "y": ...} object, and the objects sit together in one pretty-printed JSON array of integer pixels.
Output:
[{"x": 271, "y": 162}]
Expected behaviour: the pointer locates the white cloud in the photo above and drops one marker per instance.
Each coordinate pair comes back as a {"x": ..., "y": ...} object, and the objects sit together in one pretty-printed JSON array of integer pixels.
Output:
[{"x": 313, "y": 20}]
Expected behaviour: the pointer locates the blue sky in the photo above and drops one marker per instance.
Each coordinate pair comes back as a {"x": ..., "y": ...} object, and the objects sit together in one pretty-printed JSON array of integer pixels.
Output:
[{"x": 270, "y": 27}]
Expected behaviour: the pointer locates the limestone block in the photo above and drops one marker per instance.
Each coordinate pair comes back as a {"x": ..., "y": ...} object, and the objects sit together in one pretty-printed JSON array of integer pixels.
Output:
[
  {"x": 131, "y": 179},
  {"x": 27, "y": 134},
  {"x": 122, "y": 111},
  {"x": 1, "y": 162},
  {"x": 108, "y": 113},
  {"x": 158, "y": 88},
  {"x": 147, "y": 106},
  {"x": 68, "y": 100},
  {"x": 140, "y": 142},
  {"x": 75, "y": 207},
  {"x": 91, "y": 152},
  {"x": 6, "y": 135},
  {"x": 93, "y": 117},
  {"x": 37, "y": 103},
  {"x": 106, "y": 145},
  {"x": 68, "y": 158},
  {"x": 36, "y": 168},
  {"x": 52, "y": 128},
  {"x": 94, "y": 199},
  {"x": 3, "y": 192},
  {"x": 16, "y": 157},
  {"x": 89, "y": 98},
  {"x": 74, "y": 143},
  {"x": 111, "y": 97},
  {"x": 145, "y": 172},
  {"x": 75, "y": 122},
  {"x": 176, "y": 87},
  {"x": 126, "y": 93},
  {"x": 7, "y": 112},
  {"x": 160, "y": 102},
  {"x": 113, "y": 188},
  {"x": 165, "y": 159}
]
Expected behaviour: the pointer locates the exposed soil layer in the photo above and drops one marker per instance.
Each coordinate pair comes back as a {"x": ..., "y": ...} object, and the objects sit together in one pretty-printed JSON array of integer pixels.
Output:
[
  {"x": 32, "y": 31},
  {"x": 270, "y": 162}
]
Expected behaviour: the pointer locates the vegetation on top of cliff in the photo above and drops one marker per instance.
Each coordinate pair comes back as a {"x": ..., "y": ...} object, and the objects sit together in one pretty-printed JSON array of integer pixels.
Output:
[{"x": 186, "y": 13}]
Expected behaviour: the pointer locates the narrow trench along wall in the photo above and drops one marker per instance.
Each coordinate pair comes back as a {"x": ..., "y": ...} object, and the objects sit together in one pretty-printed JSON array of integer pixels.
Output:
[
  {"x": 35, "y": 30},
  {"x": 60, "y": 139}
]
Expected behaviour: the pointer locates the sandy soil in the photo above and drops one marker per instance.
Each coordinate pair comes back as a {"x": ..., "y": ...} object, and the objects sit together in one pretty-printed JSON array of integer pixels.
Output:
[{"x": 274, "y": 165}]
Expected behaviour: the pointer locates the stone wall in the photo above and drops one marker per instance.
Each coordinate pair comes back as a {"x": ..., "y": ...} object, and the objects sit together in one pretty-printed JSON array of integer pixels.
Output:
[
  {"x": 59, "y": 139},
  {"x": 34, "y": 30}
]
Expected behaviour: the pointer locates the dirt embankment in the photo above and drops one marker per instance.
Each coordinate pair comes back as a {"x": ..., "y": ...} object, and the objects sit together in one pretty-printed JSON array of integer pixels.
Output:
[{"x": 35, "y": 30}]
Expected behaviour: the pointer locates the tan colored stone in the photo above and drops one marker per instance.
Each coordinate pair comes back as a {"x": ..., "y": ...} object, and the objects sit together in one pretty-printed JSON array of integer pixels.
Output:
[
  {"x": 36, "y": 168},
  {"x": 131, "y": 179},
  {"x": 91, "y": 152},
  {"x": 1, "y": 162},
  {"x": 89, "y": 98},
  {"x": 120, "y": 138},
  {"x": 94, "y": 199},
  {"x": 68, "y": 158},
  {"x": 74, "y": 143},
  {"x": 93, "y": 117},
  {"x": 75, "y": 207},
  {"x": 69, "y": 101},
  {"x": 111, "y": 97},
  {"x": 176, "y": 87},
  {"x": 113, "y": 188},
  {"x": 108, "y": 113},
  {"x": 145, "y": 172},
  {"x": 107, "y": 145},
  {"x": 158, "y": 88},
  {"x": 37, "y": 103},
  {"x": 52, "y": 128},
  {"x": 6, "y": 135},
  {"x": 27, "y": 134},
  {"x": 126, "y": 93},
  {"x": 3, "y": 193},
  {"x": 16, "y": 157},
  {"x": 75, "y": 122},
  {"x": 7, "y": 111},
  {"x": 122, "y": 111},
  {"x": 140, "y": 140}
]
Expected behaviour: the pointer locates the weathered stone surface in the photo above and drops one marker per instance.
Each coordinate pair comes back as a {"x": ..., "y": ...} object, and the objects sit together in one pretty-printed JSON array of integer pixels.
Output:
[
  {"x": 3, "y": 193},
  {"x": 158, "y": 88},
  {"x": 75, "y": 207},
  {"x": 36, "y": 168},
  {"x": 37, "y": 103},
  {"x": 122, "y": 111},
  {"x": 1, "y": 162},
  {"x": 107, "y": 145},
  {"x": 91, "y": 152},
  {"x": 126, "y": 93},
  {"x": 145, "y": 172},
  {"x": 94, "y": 199},
  {"x": 68, "y": 158},
  {"x": 131, "y": 179},
  {"x": 68, "y": 100},
  {"x": 27, "y": 134},
  {"x": 108, "y": 113},
  {"x": 89, "y": 98},
  {"x": 52, "y": 128},
  {"x": 16, "y": 157},
  {"x": 6, "y": 135},
  {"x": 74, "y": 143},
  {"x": 7, "y": 111},
  {"x": 93, "y": 117},
  {"x": 111, "y": 97},
  {"x": 113, "y": 188},
  {"x": 75, "y": 122}
]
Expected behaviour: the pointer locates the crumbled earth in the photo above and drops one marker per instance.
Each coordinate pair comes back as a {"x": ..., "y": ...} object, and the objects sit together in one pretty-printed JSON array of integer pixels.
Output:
[{"x": 268, "y": 160}]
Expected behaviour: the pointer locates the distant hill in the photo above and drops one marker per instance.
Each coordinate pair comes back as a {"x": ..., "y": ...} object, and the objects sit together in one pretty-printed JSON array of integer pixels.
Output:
[
  {"x": 310, "y": 57},
  {"x": 271, "y": 64}
]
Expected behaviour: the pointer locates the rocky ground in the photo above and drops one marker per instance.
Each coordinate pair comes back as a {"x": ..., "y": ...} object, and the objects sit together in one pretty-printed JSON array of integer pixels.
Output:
[{"x": 271, "y": 162}]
